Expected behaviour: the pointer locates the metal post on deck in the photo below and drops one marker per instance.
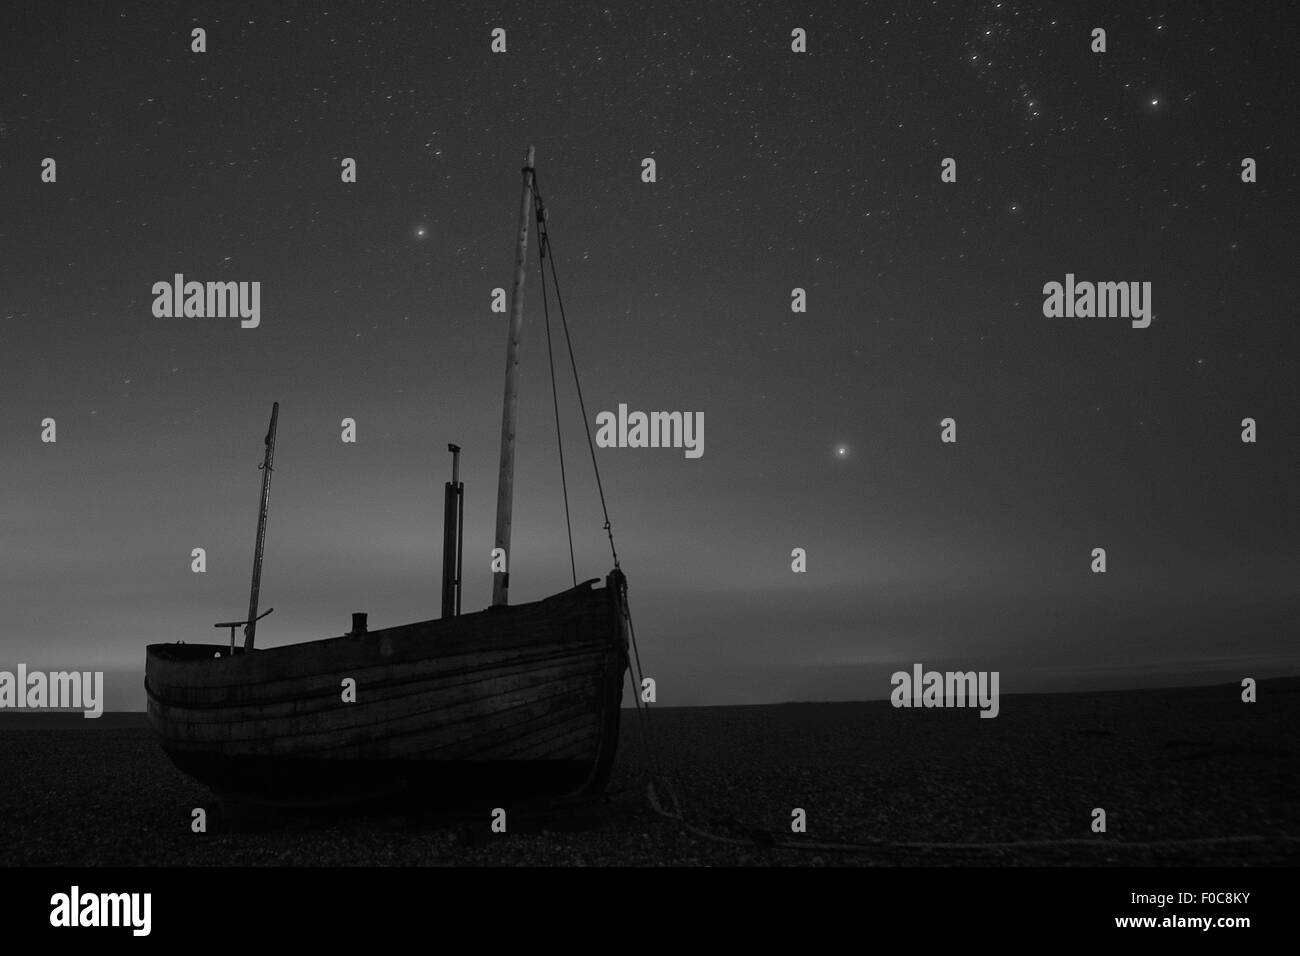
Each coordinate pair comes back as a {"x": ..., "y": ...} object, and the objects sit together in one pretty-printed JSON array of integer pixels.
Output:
[{"x": 453, "y": 536}]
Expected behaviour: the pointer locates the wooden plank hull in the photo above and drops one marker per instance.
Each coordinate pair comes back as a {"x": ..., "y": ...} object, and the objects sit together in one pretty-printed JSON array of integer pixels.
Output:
[{"x": 508, "y": 704}]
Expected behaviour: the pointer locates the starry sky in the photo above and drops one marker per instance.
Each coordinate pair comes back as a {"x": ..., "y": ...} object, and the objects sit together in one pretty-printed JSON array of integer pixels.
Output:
[{"x": 775, "y": 170}]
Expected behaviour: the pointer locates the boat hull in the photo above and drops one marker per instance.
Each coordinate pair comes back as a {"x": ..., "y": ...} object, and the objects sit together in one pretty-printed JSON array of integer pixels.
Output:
[{"x": 508, "y": 704}]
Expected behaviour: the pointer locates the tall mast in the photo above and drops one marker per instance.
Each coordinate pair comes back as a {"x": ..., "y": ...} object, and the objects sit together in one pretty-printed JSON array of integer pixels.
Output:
[
  {"x": 506, "y": 479},
  {"x": 251, "y": 627}
]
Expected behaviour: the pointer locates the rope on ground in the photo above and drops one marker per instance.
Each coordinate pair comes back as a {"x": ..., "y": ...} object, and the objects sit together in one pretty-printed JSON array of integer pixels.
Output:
[{"x": 765, "y": 840}]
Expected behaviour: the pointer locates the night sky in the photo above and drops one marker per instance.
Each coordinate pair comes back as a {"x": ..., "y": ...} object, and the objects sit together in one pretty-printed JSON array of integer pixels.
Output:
[{"x": 775, "y": 170}]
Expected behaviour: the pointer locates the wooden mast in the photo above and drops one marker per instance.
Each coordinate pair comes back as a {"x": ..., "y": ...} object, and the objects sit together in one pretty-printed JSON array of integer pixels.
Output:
[
  {"x": 251, "y": 628},
  {"x": 506, "y": 479}
]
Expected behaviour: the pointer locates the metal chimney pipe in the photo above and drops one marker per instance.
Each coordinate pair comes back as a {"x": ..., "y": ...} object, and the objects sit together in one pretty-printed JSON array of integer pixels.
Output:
[{"x": 453, "y": 526}]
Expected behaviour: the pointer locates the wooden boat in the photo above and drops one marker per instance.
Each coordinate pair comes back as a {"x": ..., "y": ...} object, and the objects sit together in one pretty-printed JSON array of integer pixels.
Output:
[
  {"x": 512, "y": 701},
  {"x": 507, "y": 704}
]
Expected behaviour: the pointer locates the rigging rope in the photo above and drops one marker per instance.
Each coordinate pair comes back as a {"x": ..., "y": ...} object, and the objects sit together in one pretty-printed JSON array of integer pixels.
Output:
[
  {"x": 754, "y": 837},
  {"x": 550, "y": 356},
  {"x": 545, "y": 239},
  {"x": 546, "y": 252}
]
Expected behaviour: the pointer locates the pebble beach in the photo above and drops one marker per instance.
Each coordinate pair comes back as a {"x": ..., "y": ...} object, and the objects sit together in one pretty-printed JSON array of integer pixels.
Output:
[{"x": 1189, "y": 776}]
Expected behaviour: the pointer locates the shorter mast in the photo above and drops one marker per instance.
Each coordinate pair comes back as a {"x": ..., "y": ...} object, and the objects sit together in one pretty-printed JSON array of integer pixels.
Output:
[{"x": 251, "y": 628}]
